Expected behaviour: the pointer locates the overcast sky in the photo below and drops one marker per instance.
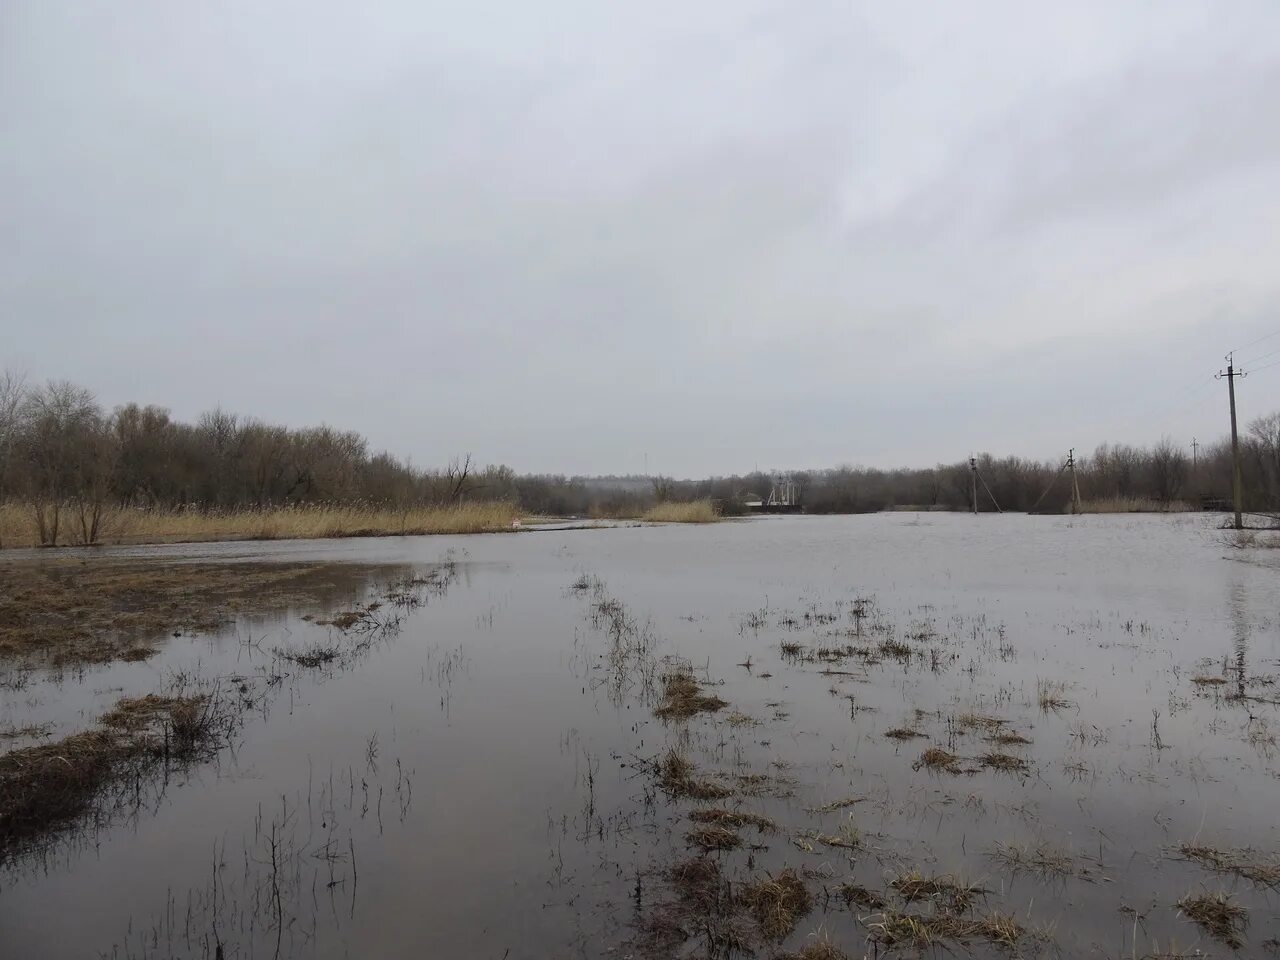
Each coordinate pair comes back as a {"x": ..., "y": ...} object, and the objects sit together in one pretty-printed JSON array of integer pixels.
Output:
[{"x": 567, "y": 235}]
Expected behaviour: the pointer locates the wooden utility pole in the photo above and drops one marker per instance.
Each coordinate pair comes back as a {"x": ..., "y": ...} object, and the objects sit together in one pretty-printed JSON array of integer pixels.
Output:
[
  {"x": 1195, "y": 453},
  {"x": 973, "y": 483},
  {"x": 1231, "y": 375},
  {"x": 1075, "y": 485}
]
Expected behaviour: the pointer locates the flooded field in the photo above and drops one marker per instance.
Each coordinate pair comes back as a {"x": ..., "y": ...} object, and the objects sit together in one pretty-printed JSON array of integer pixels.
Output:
[{"x": 894, "y": 734}]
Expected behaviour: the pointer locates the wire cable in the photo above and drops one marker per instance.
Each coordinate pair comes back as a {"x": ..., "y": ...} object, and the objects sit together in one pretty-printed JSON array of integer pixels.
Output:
[
  {"x": 1264, "y": 356},
  {"x": 1259, "y": 340},
  {"x": 1263, "y": 367}
]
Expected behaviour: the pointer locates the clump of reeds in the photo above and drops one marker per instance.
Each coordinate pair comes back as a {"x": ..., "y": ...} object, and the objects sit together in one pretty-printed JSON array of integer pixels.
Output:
[
  {"x": 1208, "y": 681},
  {"x": 1218, "y": 915},
  {"x": 711, "y": 837},
  {"x": 1265, "y": 872},
  {"x": 1040, "y": 859},
  {"x": 1009, "y": 738},
  {"x": 683, "y": 697},
  {"x": 822, "y": 949},
  {"x": 935, "y": 758},
  {"x": 849, "y": 837},
  {"x": 1004, "y": 762},
  {"x": 895, "y": 649},
  {"x": 979, "y": 721},
  {"x": 675, "y": 776},
  {"x": 955, "y": 896},
  {"x": 733, "y": 819},
  {"x": 1052, "y": 695},
  {"x": 857, "y": 895},
  {"x": 777, "y": 903},
  {"x": 316, "y": 654},
  {"x": 44, "y": 787},
  {"x": 704, "y": 906},
  {"x": 200, "y": 523},
  {"x": 840, "y": 804},
  {"x": 903, "y": 733},
  {"x": 695, "y": 511},
  {"x": 913, "y": 930}
]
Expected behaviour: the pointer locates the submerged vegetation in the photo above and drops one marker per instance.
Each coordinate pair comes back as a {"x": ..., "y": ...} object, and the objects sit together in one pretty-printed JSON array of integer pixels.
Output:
[
  {"x": 1218, "y": 914},
  {"x": 46, "y": 787},
  {"x": 68, "y": 611}
]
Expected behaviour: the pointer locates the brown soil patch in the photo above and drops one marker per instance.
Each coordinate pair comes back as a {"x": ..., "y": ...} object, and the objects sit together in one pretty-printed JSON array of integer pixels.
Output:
[{"x": 66, "y": 611}]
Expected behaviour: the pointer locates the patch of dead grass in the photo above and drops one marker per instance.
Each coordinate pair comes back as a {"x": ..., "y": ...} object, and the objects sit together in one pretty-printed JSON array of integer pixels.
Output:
[
  {"x": 1217, "y": 915},
  {"x": 45, "y": 787},
  {"x": 62, "y": 611},
  {"x": 1249, "y": 864},
  {"x": 937, "y": 759},
  {"x": 777, "y": 903},
  {"x": 710, "y": 837},
  {"x": 895, "y": 928},
  {"x": 903, "y": 733},
  {"x": 733, "y": 819},
  {"x": 683, "y": 697}
]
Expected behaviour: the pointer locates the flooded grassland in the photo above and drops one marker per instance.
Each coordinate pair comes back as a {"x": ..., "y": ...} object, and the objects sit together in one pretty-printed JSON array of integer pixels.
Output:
[{"x": 886, "y": 735}]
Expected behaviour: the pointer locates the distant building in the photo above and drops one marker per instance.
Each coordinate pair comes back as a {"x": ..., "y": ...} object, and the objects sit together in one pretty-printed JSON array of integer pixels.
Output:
[{"x": 753, "y": 501}]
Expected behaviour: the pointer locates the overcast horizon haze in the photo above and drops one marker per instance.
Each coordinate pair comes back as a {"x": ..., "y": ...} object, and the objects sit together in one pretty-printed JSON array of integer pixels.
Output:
[{"x": 582, "y": 238}]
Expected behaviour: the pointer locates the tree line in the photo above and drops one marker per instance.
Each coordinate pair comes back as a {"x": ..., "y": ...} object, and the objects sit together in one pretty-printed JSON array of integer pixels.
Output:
[{"x": 67, "y": 459}]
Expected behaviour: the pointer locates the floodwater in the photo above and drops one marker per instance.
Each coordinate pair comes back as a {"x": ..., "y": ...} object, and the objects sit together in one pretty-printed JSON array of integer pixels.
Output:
[{"x": 476, "y": 783}]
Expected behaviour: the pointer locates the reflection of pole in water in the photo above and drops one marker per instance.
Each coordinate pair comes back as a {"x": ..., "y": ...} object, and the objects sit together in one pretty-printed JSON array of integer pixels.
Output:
[{"x": 1238, "y": 602}]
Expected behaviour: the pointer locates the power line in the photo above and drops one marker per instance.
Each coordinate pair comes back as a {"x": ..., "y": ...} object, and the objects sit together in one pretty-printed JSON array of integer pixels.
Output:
[
  {"x": 1264, "y": 356},
  {"x": 1268, "y": 336},
  {"x": 1264, "y": 366}
]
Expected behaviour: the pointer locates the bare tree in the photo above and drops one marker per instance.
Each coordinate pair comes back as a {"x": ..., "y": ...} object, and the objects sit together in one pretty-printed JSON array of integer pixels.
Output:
[
  {"x": 60, "y": 417},
  {"x": 13, "y": 394},
  {"x": 1168, "y": 466}
]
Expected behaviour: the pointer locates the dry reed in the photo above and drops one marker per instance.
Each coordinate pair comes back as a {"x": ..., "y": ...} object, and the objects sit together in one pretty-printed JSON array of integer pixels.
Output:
[
  {"x": 128, "y": 525},
  {"x": 696, "y": 511}
]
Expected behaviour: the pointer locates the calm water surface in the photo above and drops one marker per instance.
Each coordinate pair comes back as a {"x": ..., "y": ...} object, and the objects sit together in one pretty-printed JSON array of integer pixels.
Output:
[{"x": 473, "y": 785}]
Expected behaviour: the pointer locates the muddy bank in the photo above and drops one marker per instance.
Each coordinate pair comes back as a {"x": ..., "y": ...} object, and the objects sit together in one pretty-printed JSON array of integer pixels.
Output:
[{"x": 68, "y": 611}]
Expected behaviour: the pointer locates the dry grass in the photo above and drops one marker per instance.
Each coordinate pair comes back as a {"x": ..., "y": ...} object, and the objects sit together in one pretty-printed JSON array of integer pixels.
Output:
[
  {"x": 859, "y": 896},
  {"x": 1009, "y": 738},
  {"x": 935, "y": 758},
  {"x": 305, "y": 521},
  {"x": 1208, "y": 681},
  {"x": 1052, "y": 695},
  {"x": 683, "y": 697},
  {"x": 900, "y": 929},
  {"x": 946, "y": 891},
  {"x": 1004, "y": 762},
  {"x": 1217, "y": 915},
  {"x": 45, "y": 787},
  {"x": 1263, "y": 871},
  {"x": 696, "y": 511},
  {"x": 979, "y": 721},
  {"x": 903, "y": 733},
  {"x": 675, "y": 776},
  {"x": 840, "y": 804},
  {"x": 710, "y": 838},
  {"x": 733, "y": 819},
  {"x": 1041, "y": 859},
  {"x": 777, "y": 903},
  {"x": 74, "y": 611},
  {"x": 822, "y": 949}
]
